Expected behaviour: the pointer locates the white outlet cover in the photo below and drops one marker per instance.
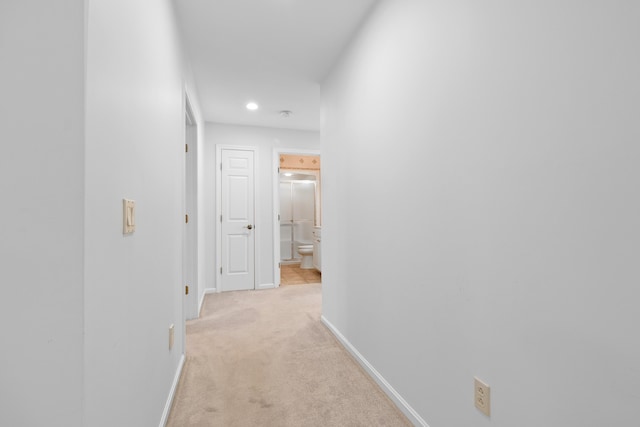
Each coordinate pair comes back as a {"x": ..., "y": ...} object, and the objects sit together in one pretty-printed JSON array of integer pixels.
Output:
[{"x": 482, "y": 396}]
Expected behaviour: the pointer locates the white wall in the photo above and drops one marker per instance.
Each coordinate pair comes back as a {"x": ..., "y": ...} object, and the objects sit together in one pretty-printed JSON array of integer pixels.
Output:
[
  {"x": 87, "y": 310},
  {"x": 265, "y": 140},
  {"x": 41, "y": 183},
  {"x": 490, "y": 226},
  {"x": 134, "y": 149}
]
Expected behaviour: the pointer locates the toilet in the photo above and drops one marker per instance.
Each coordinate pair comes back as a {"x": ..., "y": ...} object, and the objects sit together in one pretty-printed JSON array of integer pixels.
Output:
[{"x": 306, "y": 252}]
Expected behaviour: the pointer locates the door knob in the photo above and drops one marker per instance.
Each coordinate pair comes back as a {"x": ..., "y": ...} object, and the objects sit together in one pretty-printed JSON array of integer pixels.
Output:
[{"x": 249, "y": 226}]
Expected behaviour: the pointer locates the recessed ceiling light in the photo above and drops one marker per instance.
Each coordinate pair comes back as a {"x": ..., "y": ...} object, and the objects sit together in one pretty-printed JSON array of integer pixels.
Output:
[
  {"x": 252, "y": 106},
  {"x": 288, "y": 174}
]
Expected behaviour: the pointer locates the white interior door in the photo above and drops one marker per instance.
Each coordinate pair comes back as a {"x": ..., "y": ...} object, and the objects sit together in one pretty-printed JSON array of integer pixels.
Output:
[{"x": 237, "y": 230}]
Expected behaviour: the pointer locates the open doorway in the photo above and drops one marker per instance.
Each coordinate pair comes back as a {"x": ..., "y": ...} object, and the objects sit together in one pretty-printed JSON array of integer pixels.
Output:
[{"x": 298, "y": 217}]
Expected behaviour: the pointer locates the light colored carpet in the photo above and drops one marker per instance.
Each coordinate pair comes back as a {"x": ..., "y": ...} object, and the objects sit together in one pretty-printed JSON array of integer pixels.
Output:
[{"x": 263, "y": 358}]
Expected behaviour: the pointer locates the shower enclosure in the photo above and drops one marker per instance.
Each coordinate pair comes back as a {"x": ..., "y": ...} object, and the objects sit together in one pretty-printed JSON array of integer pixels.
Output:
[{"x": 297, "y": 214}]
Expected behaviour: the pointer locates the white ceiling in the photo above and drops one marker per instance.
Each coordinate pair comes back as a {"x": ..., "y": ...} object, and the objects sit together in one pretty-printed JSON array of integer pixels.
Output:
[{"x": 273, "y": 52}]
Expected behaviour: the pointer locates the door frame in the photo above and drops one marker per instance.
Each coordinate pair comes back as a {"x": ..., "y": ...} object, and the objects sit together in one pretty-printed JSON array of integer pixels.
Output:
[
  {"x": 190, "y": 206},
  {"x": 256, "y": 235},
  {"x": 276, "y": 201}
]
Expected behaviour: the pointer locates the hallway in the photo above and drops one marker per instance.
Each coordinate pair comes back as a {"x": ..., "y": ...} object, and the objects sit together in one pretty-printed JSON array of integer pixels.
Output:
[{"x": 263, "y": 358}]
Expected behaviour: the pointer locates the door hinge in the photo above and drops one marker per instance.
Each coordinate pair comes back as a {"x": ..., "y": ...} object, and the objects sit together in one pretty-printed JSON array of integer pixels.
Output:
[
  {"x": 220, "y": 166},
  {"x": 278, "y": 170},
  {"x": 186, "y": 289},
  {"x": 278, "y": 217},
  {"x": 220, "y": 270},
  {"x": 220, "y": 218},
  {"x": 186, "y": 218},
  {"x": 186, "y": 148}
]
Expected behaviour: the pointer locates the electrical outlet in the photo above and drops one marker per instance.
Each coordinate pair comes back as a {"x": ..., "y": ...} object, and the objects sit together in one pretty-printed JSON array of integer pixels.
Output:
[
  {"x": 482, "y": 396},
  {"x": 171, "y": 329}
]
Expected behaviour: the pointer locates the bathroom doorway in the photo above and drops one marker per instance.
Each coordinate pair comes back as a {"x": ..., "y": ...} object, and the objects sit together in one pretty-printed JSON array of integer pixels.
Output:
[
  {"x": 297, "y": 222},
  {"x": 297, "y": 202}
]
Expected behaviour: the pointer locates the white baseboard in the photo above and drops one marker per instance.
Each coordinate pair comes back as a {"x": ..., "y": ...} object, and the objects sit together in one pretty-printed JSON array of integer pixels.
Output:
[
  {"x": 172, "y": 393},
  {"x": 266, "y": 286},
  {"x": 402, "y": 404},
  {"x": 206, "y": 291},
  {"x": 201, "y": 302}
]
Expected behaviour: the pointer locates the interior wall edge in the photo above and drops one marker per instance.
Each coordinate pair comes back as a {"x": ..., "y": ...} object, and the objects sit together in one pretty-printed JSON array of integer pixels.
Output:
[
  {"x": 388, "y": 389},
  {"x": 172, "y": 393}
]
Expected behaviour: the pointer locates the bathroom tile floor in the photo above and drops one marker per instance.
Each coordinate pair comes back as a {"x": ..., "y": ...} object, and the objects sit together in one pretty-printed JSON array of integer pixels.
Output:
[{"x": 294, "y": 275}]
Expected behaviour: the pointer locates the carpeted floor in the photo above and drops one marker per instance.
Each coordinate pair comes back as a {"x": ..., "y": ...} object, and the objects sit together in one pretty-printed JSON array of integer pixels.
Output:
[{"x": 263, "y": 358}]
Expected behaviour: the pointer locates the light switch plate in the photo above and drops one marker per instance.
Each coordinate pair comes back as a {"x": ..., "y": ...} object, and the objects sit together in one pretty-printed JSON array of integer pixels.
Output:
[{"x": 129, "y": 216}]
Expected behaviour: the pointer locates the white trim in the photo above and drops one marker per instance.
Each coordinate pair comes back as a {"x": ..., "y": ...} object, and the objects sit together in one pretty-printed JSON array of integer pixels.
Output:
[
  {"x": 172, "y": 393},
  {"x": 190, "y": 207},
  {"x": 218, "y": 195},
  {"x": 266, "y": 286},
  {"x": 191, "y": 118},
  {"x": 219, "y": 148},
  {"x": 277, "y": 151},
  {"x": 402, "y": 404},
  {"x": 201, "y": 303},
  {"x": 205, "y": 293},
  {"x": 256, "y": 210}
]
